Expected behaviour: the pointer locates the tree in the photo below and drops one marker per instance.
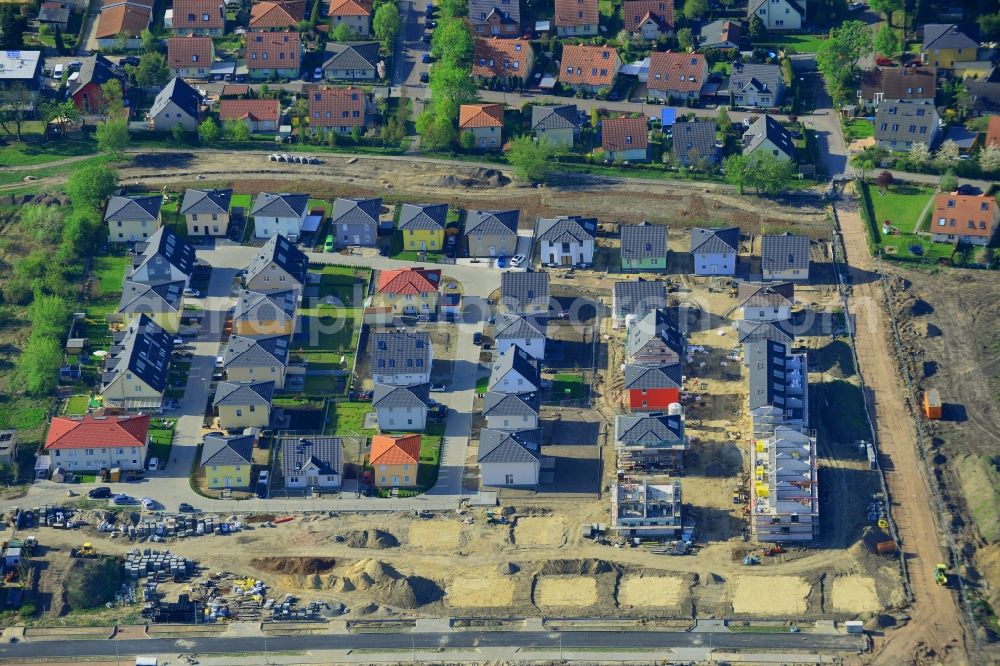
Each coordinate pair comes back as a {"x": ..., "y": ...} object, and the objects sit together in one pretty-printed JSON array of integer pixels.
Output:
[
  {"x": 722, "y": 120},
  {"x": 884, "y": 180},
  {"x": 737, "y": 168},
  {"x": 113, "y": 99},
  {"x": 236, "y": 130},
  {"x": 342, "y": 33},
  {"x": 49, "y": 316},
  {"x": 695, "y": 9},
  {"x": 208, "y": 131},
  {"x": 37, "y": 366},
  {"x": 532, "y": 160},
  {"x": 989, "y": 26},
  {"x": 451, "y": 86},
  {"x": 152, "y": 71},
  {"x": 12, "y": 27},
  {"x": 112, "y": 137},
  {"x": 91, "y": 185},
  {"x": 178, "y": 133},
  {"x": 467, "y": 140},
  {"x": 948, "y": 183},
  {"x": 989, "y": 158},
  {"x": 356, "y": 134},
  {"x": 314, "y": 15},
  {"x": 863, "y": 162},
  {"x": 757, "y": 28},
  {"x": 150, "y": 42},
  {"x": 452, "y": 43},
  {"x": 386, "y": 24},
  {"x": 948, "y": 154},
  {"x": 60, "y": 46},
  {"x": 685, "y": 39},
  {"x": 920, "y": 153},
  {"x": 887, "y": 42},
  {"x": 838, "y": 56},
  {"x": 44, "y": 222},
  {"x": 453, "y": 8},
  {"x": 16, "y": 107},
  {"x": 769, "y": 174},
  {"x": 435, "y": 130},
  {"x": 121, "y": 41},
  {"x": 66, "y": 112},
  {"x": 887, "y": 7}
]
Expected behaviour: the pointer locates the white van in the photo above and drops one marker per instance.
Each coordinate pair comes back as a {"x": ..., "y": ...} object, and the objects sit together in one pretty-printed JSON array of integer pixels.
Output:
[
  {"x": 73, "y": 78},
  {"x": 58, "y": 71}
]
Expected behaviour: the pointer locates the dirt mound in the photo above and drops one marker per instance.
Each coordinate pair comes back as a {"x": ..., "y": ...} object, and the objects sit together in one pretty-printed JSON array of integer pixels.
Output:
[
  {"x": 508, "y": 569},
  {"x": 377, "y": 539},
  {"x": 388, "y": 586},
  {"x": 576, "y": 567},
  {"x": 295, "y": 566},
  {"x": 477, "y": 178}
]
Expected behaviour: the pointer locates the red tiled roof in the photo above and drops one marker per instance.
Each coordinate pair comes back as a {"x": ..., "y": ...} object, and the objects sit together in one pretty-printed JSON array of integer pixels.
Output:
[
  {"x": 182, "y": 51},
  {"x": 589, "y": 65},
  {"x": 993, "y": 132},
  {"x": 502, "y": 57},
  {"x": 972, "y": 214},
  {"x": 683, "y": 72},
  {"x": 395, "y": 450},
  {"x": 273, "y": 50},
  {"x": 480, "y": 115},
  {"x": 97, "y": 432},
  {"x": 337, "y": 107},
  {"x": 128, "y": 18},
  {"x": 350, "y": 8},
  {"x": 409, "y": 281},
  {"x": 576, "y": 12},
  {"x": 637, "y": 12},
  {"x": 624, "y": 134},
  {"x": 235, "y": 90},
  {"x": 198, "y": 14},
  {"x": 253, "y": 109},
  {"x": 267, "y": 15}
]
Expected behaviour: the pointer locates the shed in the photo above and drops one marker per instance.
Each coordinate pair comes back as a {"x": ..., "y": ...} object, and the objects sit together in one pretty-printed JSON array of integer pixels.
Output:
[
  {"x": 932, "y": 404},
  {"x": 76, "y": 345}
]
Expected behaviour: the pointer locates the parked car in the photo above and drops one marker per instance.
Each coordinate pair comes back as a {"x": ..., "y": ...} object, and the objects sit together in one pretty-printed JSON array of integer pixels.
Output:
[
  {"x": 438, "y": 388},
  {"x": 122, "y": 498},
  {"x": 318, "y": 73},
  {"x": 328, "y": 245},
  {"x": 129, "y": 60},
  {"x": 184, "y": 507},
  {"x": 477, "y": 338},
  {"x": 501, "y": 262},
  {"x": 58, "y": 71},
  {"x": 102, "y": 492},
  {"x": 193, "y": 293},
  {"x": 75, "y": 65},
  {"x": 148, "y": 503},
  {"x": 517, "y": 260},
  {"x": 426, "y": 38},
  {"x": 425, "y": 58},
  {"x": 425, "y": 77},
  {"x": 430, "y": 25},
  {"x": 154, "y": 464}
]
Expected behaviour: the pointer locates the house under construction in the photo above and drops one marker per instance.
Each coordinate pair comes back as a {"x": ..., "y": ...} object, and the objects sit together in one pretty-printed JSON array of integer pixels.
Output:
[
  {"x": 784, "y": 497},
  {"x": 641, "y": 509}
]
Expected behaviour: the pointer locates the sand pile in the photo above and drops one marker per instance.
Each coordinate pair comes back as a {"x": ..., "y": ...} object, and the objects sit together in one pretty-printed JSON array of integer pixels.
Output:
[
  {"x": 855, "y": 594},
  {"x": 488, "y": 591},
  {"x": 566, "y": 591},
  {"x": 644, "y": 591},
  {"x": 376, "y": 539},
  {"x": 388, "y": 586},
  {"x": 296, "y": 566},
  {"x": 770, "y": 595}
]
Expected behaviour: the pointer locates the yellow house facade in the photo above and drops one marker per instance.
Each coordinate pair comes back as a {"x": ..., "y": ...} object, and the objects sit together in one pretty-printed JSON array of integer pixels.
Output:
[
  {"x": 410, "y": 291},
  {"x": 228, "y": 460},
  {"x": 422, "y": 226},
  {"x": 395, "y": 460},
  {"x": 243, "y": 405}
]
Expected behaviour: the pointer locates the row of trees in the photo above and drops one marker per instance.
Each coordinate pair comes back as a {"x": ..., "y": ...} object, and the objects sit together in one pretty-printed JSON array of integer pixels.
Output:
[
  {"x": 451, "y": 81},
  {"x": 838, "y": 56}
]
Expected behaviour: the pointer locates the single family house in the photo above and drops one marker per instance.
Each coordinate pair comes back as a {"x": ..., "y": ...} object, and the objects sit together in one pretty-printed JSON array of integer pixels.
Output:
[
  {"x": 259, "y": 359},
  {"x": 524, "y": 293},
  {"x": 515, "y": 371},
  {"x": 206, "y": 212},
  {"x": 715, "y": 250},
  {"x": 354, "y": 221},
  {"x": 279, "y": 214},
  {"x": 577, "y": 18},
  {"x": 395, "y": 460},
  {"x": 655, "y": 340},
  {"x": 643, "y": 247},
  {"x": 566, "y": 240},
  {"x": 401, "y": 407},
  {"x": 312, "y": 463},
  {"x": 676, "y": 76},
  {"x": 785, "y": 257},
  {"x": 511, "y": 411},
  {"x": 492, "y": 233},
  {"x": 401, "y": 358},
  {"x": 409, "y": 291},
  {"x": 495, "y": 18},
  {"x": 625, "y": 139},
  {"x": 633, "y": 300},
  {"x": 561, "y": 124},
  {"x": 484, "y": 122},
  {"x": 652, "y": 388},
  {"x": 589, "y": 68},
  {"x": 133, "y": 219},
  {"x": 527, "y": 333},
  {"x": 228, "y": 459},
  {"x": 964, "y": 218},
  {"x": 265, "y": 313},
  {"x": 509, "y": 458},
  {"x": 422, "y": 226},
  {"x": 277, "y": 266},
  {"x": 244, "y": 404}
]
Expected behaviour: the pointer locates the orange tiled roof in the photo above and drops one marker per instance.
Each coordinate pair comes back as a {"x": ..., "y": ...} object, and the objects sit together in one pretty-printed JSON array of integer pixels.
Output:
[
  {"x": 964, "y": 214},
  {"x": 267, "y": 15},
  {"x": 253, "y": 109},
  {"x": 337, "y": 107},
  {"x": 191, "y": 14},
  {"x": 350, "y": 8},
  {"x": 576, "y": 12},
  {"x": 480, "y": 115},
  {"x": 128, "y": 18},
  {"x": 624, "y": 134},
  {"x": 589, "y": 65},
  {"x": 502, "y": 57},
  {"x": 409, "y": 281},
  {"x": 187, "y": 51},
  {"x": 273, "y": 50},
  {"x": 683, "y": 72},
  {"x": 993, "y": 132},
  {"x": 97, "y": 431},
  {"x": 395, "y": 450}
]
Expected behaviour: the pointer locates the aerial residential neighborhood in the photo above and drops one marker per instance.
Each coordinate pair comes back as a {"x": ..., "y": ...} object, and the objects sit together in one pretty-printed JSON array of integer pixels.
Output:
[{"x": 493, "y": 330}]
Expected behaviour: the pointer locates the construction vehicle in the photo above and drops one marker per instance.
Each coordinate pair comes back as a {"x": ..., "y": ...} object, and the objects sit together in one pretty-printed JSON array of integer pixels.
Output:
[
  {"x": 751, "y": 560},
  {"x": 84, "y": 551},
  {"x": 941, "y": 574},
  {"x": 774, "y": 550}
]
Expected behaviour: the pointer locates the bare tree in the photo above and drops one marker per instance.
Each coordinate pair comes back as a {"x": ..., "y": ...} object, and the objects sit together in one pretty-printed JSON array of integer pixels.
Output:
[{"x": 17, "y": 103}]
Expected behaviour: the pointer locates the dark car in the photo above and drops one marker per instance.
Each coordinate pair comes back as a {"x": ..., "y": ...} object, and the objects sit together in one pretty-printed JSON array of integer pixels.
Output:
[
  {"x": 129, "y": 60},
  {"x": 425, "y": 58},
  {"x": 426, "y": 39},
  {"x": 124, "y": 499},
  {"x": 430, "y": 25},
  {"x": 424, "y": 77},
  {"x": 477, "y": 338},
  {"x": 184, "y": 507},
  {"x": 100, "y": 493}
]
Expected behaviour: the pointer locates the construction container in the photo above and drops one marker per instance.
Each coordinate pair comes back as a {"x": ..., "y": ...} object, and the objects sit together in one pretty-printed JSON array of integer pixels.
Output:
[
  {"x": 886, "y": 548},
  {"x": 932, "y": 404},
  {"x": 855, "y": 627}
]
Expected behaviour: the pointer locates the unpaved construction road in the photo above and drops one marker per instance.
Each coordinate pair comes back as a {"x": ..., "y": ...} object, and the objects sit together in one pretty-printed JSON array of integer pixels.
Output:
[{"x": 935, "y": 630}]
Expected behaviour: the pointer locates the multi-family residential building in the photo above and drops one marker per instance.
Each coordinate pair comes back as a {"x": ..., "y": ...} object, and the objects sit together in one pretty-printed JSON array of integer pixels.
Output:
[
  {"x": 784, "y": 497},
  {"x": 337, "y": 109},
  {"x": 509, "y": 60},
  {"x": 95, "y": 443},
  {"x": 643, "y": 509},
  {"x": 901, "y": 123},
  {"x": 779, "y": 387},
  {"x": 677, "y": 76},
  {"x": 888, "y": 83}
]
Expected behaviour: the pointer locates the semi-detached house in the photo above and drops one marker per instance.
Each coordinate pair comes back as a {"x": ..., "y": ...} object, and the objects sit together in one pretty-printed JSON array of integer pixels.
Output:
[
  {"x": 495, "y": 18},
  {"x": 276, "y": 267},
  {"x": 137, "y": 367},
  {"x": 93, "y": 443}
]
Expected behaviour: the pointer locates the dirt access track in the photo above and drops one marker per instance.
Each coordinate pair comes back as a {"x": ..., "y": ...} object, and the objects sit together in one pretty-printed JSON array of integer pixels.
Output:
[
  {"x": 935, "y": 630},
  {"x": 678, "y": 203}
]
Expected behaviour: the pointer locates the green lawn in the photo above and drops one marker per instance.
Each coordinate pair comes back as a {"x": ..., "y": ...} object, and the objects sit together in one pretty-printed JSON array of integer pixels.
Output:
[
  {"x": 243, "y": 201},
  {"x": 482, "y": 384},
  {"x": 430, "y": 455},
  {"x": 29, "y": 153},
  {"x": 722, "y": 67},
  {"x": 858, "y": 128},
  {"x": 21, "y": 413},
  {"x": 901, "y": 206},
  {"x": 161, "y": 434},
  {"x": 801, "y": 43},
  {"x": 347, "y": 418},
  {"x": 567, "y": 387},
  {"x": 320, "y": 203},
  {"x": 344, "y": 283},
  {"x": 77, "y": 404},
  {"x": 8, "y": 175},
  {"x": 110, "y": 271}
]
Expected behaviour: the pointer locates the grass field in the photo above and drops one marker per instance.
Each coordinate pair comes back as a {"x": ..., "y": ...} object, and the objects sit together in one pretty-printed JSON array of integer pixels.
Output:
[
  {"x": 161, "y": 434},
  {"x": 430, "y": 455},
  {"x": 77, "y": 404},
  {"x": 109, "y": 272},
  {"x": 801, "y": 43},
  {"x": 348, "y": 418},
  {"x": 902, "y": 206},
  {"x": 858, "y": 128},
  {"x": 344, "y": 283},
  {"x": 567, "y": 387},
  {"x": 241, "y": 201},
  {"x": 36, "y": 151}
]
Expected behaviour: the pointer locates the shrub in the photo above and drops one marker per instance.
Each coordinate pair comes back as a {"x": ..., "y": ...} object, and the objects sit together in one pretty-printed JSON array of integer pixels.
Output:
[{"x": 93, "y": 584}]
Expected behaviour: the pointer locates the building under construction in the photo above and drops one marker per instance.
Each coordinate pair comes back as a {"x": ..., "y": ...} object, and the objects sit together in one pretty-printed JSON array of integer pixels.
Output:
[
  {"x": 784, "y": 497},
  {"x": 641, "y": 509},
  {"x": 779, "y": 390}
]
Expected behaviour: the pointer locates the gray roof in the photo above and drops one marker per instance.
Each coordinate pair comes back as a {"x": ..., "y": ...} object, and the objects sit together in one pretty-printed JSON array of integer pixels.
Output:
[
  {"x": 206, "y": 202},
  {"x": 284, "y": 254},
  {"x": 145, "y": 352},
  {"x": 423, "y": 217},
  {"x": 164, "y": 249},
  {"x": 907, "y": 120},
  {"x": 492, "y": 222},
  {"x": 400, "y": 353},
  {"x": 243, "y": 393},
  {"x": 772, "y": 295},
  {"x": 283, "y": 204},
  {"x": 351, "y": 55},
  {"x": 567, "y": 229},
  {"x": 53, "y": 13},
  {"x": 947, "y": 36},
  {"x": 518, "y": 327},
  {"x": 753, "y": 5},
  {"x": 178, "y": 91},
  {"x": 244, "y": 352},
  {"x": 767, "y": 376},
  {"x": 784, "y": 252},
  {"x": 502, "y": 446},
  {"x": 563, "y": 116},
  {"x": 985, "y": 92},
  {"x": 653, "y": 377},
  {"x": 649, "y": 429},
  {"x": 511, "y": 404},
  {"x": 327, "y": 453},
  {"x": 356, "y": 211},
  {"x": 133, "y": 208},
  {"x": 277, "y": 306},
  {"x": 227, "y": 450},
  {"x": 388, "y": 396},
  {"x": 767, "y": 128},
  {"x": 964, "y": 138},
  {"x": 693, "y": 141},
  {"x": 517, "y": 360},
  {"x": 638, "y": 297},
  {"x": 714, "y": 241},
  {"x": 521, "y": 289},
  {"x": 655, "y": 325},
  {"x": 750, "y": 332},
  {"x": 643, "y": 241},
  {"x": 711, "y": 33},
  {"x": 95, "y": 69},
  {"x": 762, "y": 78},
  {"x": 509, "y": 11},
  {"x": 141, "y": 297}
]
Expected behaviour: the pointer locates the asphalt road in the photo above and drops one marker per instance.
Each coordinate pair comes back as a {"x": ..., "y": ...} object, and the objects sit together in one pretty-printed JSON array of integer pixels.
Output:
[{"x": 432, "y": 641}]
